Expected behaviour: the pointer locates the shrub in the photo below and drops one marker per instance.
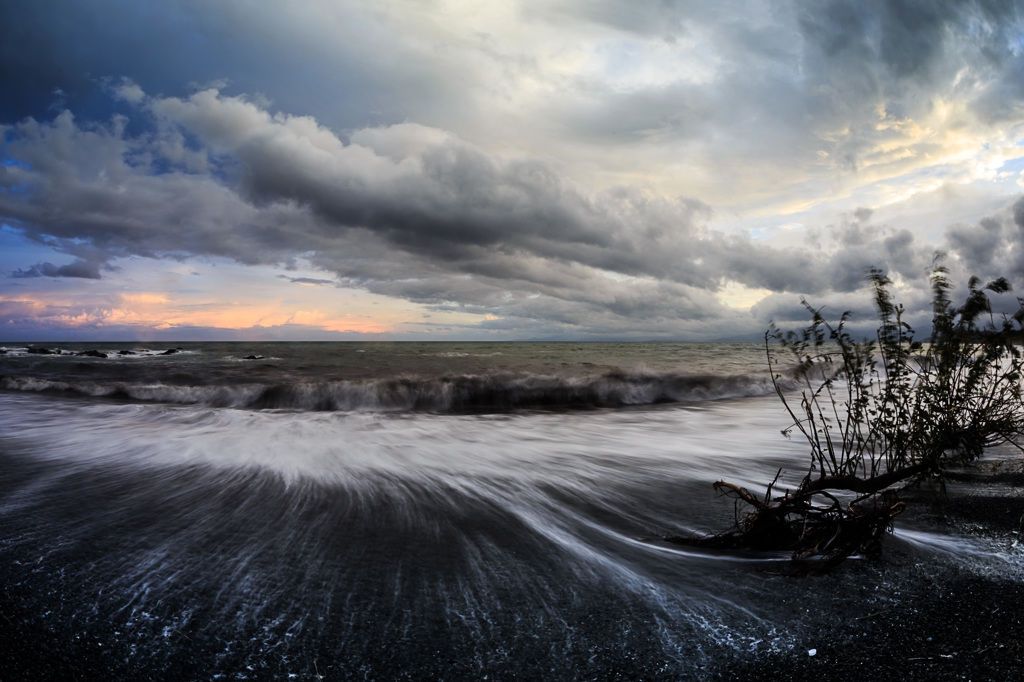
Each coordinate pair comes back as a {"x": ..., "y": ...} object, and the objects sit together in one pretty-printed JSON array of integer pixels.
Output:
[{"x": 881, "y": 414}]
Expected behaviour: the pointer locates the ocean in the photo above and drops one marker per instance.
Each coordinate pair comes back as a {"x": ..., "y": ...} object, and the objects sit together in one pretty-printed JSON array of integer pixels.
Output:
[{"x": 408, "y": 511}]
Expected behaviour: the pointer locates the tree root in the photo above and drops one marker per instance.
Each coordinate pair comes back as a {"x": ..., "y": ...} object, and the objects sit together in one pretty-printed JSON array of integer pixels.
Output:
[{"x": 814, "y": 527}]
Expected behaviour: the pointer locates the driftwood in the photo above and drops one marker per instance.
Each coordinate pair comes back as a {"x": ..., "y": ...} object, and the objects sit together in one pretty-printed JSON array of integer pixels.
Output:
[
  {"x": 815, "y": 527},
  {"x": 881, "y": 414}
]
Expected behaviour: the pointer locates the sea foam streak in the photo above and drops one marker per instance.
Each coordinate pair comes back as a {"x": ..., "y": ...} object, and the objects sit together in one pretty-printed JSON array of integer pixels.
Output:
[{"x": 475, "y": 531}]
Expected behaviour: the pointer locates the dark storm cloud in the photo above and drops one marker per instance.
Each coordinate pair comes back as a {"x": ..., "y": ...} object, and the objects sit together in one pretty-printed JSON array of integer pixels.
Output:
[
  {"x": 422, "y": 216},
  {"x": 978, "y": 245},
  {"x": 857, "y": 245},
  {"x": 795, "y": 97},
  {"x": 923, "y": 41},
  {"x": 899, "y": 57},
  {"x": 994, "y": 246},
  {"x": 450, "y": 208},
  {"x": 391, "y": 181},
  {"x": 307, "y": 280},
  {"x": 863, "y": 245},
  {"x": 441, "y": 199},
  {"x": 78, "y": 268},
  {"x": 404, "y": 211},
  {"x": 89, "y": 259},
  {"x": 282, "y": 51}
]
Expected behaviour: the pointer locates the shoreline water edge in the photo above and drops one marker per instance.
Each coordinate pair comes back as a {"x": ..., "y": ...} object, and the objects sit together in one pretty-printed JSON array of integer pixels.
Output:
[{"x": 454, "y": 511}]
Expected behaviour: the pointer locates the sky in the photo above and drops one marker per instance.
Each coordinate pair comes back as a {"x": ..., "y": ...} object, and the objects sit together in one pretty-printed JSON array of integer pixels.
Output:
[{"x": 515, "y": 170}]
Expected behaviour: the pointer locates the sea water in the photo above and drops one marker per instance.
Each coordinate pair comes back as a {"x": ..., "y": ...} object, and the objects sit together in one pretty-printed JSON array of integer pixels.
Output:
[{"x": 389, "y": 510}]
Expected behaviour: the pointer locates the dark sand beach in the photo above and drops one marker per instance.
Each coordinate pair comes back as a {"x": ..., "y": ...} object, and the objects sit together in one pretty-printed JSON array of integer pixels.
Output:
[
  {"x": 946, "y": 623},
  {"x": 197, "y": 517},
  {"x": 939, "y": 621}
]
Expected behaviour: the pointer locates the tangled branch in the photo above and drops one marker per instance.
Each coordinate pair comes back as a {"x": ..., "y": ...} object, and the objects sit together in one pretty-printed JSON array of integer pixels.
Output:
[{"x": 882, "y": 414}]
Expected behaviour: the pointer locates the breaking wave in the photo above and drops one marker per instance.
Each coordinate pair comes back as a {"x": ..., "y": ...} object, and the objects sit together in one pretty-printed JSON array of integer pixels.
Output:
[{"x": 496, "y": 392}]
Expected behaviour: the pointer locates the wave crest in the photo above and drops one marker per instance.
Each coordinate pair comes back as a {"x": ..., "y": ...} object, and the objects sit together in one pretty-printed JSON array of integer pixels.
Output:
[{"x": 498, "y": 392}]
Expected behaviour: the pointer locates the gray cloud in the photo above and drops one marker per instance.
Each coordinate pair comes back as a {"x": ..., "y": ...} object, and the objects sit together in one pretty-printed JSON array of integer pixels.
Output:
[
  {"x": 993, "y": 247},
  {"x": 901, "y": 57},
  {"x": 78, "y": 268},
  {"x": 978, "y": 245},
  {"x": 444, "y": 197},
  {"x": 413, "y": 212},
  {"x": 567, "y": 171},
  {"x": 307, "y": 280},
  {"x": 445, "y": 200}
]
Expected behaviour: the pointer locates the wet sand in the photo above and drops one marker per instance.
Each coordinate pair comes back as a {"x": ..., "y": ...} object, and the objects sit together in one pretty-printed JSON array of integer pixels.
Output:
[
  {"x": 903, "y": 616},
  {"x": 947, "y": 622}
]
